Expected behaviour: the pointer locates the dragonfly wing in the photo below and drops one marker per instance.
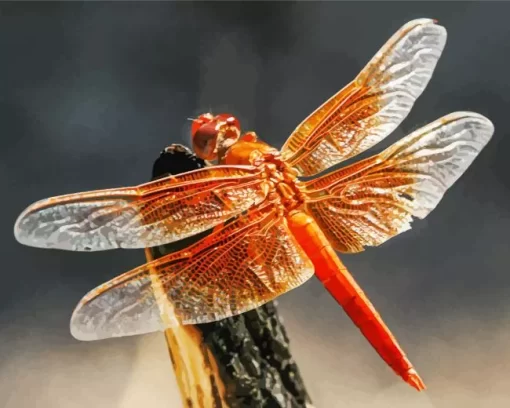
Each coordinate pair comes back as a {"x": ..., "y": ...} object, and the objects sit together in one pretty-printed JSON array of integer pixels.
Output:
[
  {"x": 155, "y": 213},
  {"x": 238, "y": 267},
  {"x": 373, "y": 105},
  {"x": 369, "y": 202}
]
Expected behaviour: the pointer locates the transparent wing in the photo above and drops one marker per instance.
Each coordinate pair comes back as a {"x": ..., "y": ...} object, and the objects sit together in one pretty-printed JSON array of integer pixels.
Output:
[
  {"x": 371, "y": 201},
  {"x": 155, "y": 213},
  {"x": 239, "y": 267},
  {"x": 373, "y": 105}
]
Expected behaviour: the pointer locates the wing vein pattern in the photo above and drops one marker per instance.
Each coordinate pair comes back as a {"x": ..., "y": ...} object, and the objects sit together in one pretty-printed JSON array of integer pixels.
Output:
[
  {"x": 372, "y": 105},
  {"x": 155, "y": 213},
  {"x": 375, "y": 199},
  {"x": 239, "y": 266}
]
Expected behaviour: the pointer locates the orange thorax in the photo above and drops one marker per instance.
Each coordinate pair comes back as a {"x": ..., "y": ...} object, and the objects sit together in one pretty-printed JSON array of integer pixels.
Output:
[{"x": 282, "y": 182}]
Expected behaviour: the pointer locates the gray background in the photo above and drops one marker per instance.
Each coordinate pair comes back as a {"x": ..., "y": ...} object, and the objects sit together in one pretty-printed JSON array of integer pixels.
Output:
[{"x": 90, "y": 93}]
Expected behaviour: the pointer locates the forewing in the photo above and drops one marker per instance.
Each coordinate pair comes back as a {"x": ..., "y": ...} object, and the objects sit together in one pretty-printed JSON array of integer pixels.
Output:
[
  {"x": 373, "y": 105},
  {"x": 371, "y": 201},
  {"x": 239, "y": 267},
  {"x": 155, "y": 213}
]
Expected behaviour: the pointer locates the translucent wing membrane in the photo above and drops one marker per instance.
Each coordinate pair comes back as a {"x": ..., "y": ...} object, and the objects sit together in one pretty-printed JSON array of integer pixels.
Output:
[
  {"x": 373, "y": 105},
  {"x": 151, "y": 214},
  {"x": 369, "y": 202},
  {"x": 240, "y": 266}
]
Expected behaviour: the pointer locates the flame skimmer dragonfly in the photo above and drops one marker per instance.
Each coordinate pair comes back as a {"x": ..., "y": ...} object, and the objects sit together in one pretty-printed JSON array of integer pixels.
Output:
[{"x": 272, "y": 231}]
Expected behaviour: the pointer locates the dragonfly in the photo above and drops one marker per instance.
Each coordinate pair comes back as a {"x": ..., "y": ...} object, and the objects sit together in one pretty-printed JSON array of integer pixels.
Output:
[{"x": 276, "y": 217}]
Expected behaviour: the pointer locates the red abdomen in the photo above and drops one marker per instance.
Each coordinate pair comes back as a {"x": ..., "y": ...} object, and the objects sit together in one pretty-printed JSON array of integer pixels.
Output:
[{"x": 342, "y": 286}]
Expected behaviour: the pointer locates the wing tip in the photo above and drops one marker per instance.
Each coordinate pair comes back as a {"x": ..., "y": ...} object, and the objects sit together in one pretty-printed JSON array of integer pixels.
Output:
[
  {"x": 430, "y": 23},
  {"x": 422, "y": 22},
  {"x": 87, "y": 330},
  {"x": 26, "y": 234},
  {"x": 76, "y": 327},
  {"x": 485, "y": 124},
  {"x": 79, "y": 328},
  {"x": 20, "y": 233},
  {"x": 81, "y": 335}
]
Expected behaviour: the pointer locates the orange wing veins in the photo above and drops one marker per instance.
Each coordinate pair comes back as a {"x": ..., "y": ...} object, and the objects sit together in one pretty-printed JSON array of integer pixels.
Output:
[
  {"x": 372, "y": 105},
  {"x": 155, "y": 213},
  {"x": 236, "y": 268},
  {"x": 370, "y": 201}
]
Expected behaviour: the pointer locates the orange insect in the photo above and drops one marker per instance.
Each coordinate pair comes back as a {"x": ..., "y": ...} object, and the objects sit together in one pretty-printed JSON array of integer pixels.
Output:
[{"x": 271, "y": 230}]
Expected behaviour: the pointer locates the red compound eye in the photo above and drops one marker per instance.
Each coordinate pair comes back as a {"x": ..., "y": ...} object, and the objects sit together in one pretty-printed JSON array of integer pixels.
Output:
[
  {"x": 203, "y": 119},
  {"x": 205, "y": 130}
]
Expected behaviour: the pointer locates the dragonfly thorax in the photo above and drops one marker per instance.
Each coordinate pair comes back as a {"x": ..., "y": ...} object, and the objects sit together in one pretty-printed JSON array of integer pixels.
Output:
[{"x": 282, "y": 182}]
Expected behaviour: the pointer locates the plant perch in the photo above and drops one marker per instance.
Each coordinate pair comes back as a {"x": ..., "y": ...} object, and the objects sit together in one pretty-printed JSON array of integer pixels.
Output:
[{"x": 241, "y": 361}]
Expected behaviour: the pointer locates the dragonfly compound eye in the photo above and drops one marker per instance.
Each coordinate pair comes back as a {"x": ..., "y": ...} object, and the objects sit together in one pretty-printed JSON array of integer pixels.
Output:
[{"x": 204, "y": 138}]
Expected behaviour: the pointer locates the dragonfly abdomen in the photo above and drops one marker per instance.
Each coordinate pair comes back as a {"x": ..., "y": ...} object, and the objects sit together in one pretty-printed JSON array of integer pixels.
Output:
[{"x": 342, "y": 286}]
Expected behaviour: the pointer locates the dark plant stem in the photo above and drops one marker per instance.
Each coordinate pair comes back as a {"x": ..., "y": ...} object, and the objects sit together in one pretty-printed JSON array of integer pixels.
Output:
[{"x": 245, "y": 360}]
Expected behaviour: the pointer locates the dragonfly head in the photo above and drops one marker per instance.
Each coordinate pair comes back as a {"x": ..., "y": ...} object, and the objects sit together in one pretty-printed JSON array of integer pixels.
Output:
[{"x": 212, "y": 135}]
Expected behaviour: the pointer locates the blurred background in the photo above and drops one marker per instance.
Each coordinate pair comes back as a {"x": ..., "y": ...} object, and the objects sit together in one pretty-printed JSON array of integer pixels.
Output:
[{"x": 91, "y": 93}]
